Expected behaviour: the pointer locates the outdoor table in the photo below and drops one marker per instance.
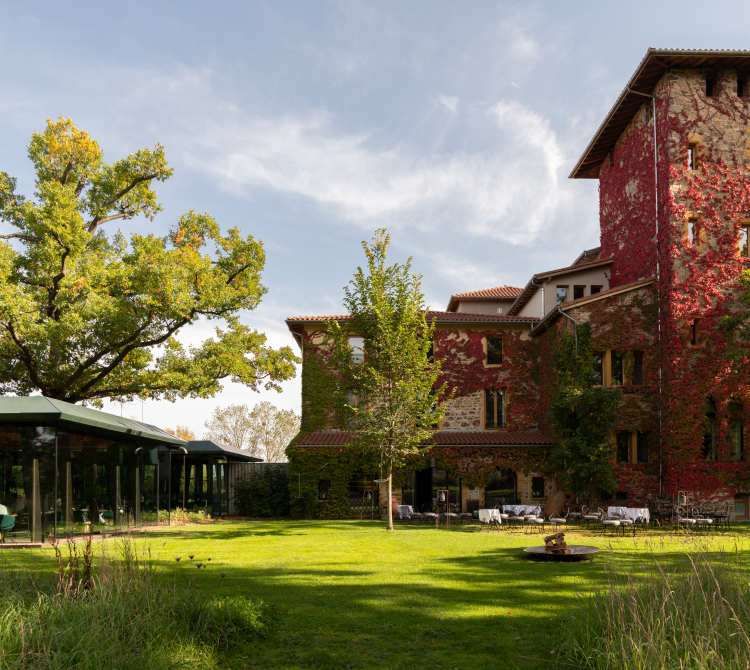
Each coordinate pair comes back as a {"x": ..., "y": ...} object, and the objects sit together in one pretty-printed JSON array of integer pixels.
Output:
[
  {"x": 405, "y": 511},
  {"x": 523, "y": 509},
  {"x": 487, "y": 515},
  {"x": 633, "y": 513}
]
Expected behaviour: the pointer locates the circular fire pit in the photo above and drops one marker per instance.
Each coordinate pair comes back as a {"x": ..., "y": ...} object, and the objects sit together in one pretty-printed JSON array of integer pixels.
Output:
[{"x": 577, "y": 552}]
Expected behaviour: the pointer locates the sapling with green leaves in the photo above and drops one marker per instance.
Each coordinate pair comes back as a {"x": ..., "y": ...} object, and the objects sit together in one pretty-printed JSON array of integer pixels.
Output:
[{"x": 388, "y": 385}]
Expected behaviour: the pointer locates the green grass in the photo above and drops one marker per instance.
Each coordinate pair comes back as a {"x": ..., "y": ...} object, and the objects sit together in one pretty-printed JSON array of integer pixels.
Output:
[{"x": 346, "y": 594}]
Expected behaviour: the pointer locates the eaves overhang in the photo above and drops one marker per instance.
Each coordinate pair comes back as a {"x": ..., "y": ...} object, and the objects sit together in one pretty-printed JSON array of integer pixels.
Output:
[{"x": 650, "y": 70}]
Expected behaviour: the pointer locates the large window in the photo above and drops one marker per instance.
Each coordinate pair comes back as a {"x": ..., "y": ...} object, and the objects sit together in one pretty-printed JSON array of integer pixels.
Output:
[
  {"x": 500, "y": 487},
  {"x": 562, "y": 294},
  {"x": 736, "y": 436},
  {"x": 494, "y": 408},
  {"x": 494, "y": 350},
  {"x": 709, "y": 430}
]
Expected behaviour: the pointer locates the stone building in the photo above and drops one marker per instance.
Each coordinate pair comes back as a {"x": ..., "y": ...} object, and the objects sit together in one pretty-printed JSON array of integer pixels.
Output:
[{"x": 672, "y": 160}]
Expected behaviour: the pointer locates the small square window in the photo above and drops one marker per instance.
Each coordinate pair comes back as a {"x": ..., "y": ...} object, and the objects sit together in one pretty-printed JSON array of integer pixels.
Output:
[
  {"x": 597, "y": 371},
  {"x": 578, "y": 292},
  {"x": 499, "y": 310},
  {"x": 537, "y": 487},
  {"x": 596, "y": 289},
  {"x": 494, "y": 350},
  {"x": 637, "y": 368},
  {"x": 562, "y": 294}
]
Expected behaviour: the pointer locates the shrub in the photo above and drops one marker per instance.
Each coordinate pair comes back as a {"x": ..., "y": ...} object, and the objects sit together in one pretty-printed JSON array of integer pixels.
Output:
[
  {"x": 116, "y": 615},
  {"x": 692, "y": 614},
  {"x": 263, "y": 493}
]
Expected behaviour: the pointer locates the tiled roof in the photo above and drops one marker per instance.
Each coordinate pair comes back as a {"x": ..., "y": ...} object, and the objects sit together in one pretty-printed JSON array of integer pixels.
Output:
[
  {"x": 439, "y": 317},
  {"x": 602, "y": 295},
  {"x": 648, "y": 73},
  {"x": 442, "y": 438},
  {"x": 508, "y": 292}
]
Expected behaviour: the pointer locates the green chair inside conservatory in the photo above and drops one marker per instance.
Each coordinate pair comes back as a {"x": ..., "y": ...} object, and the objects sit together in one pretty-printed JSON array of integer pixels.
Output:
[{"x": 7, "y": 523}]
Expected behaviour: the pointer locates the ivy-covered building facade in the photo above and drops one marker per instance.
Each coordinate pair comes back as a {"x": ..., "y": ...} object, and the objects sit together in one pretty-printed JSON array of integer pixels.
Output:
[{"x": 660, "y": 299}]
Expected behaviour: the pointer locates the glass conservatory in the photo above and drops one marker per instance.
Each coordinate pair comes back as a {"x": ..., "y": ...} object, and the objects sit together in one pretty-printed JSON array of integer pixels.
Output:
[{"x": 68, "y": 470}]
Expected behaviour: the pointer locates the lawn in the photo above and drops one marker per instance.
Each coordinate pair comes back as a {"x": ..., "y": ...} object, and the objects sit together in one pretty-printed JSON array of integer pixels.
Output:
[{"x": 346, "y": 594}]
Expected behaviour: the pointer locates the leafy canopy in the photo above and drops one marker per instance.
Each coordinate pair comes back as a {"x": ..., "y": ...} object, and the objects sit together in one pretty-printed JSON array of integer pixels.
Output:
[
  {"x": 86, "y": 315},
  {"x": 397, "y": 402},
  {"x": 584, "y": 418}
]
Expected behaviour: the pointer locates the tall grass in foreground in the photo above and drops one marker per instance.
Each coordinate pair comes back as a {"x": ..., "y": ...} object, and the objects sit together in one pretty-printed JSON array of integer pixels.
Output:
[
  {"x": 691, "y": 613},
  {"x": 115, "y": 614}
]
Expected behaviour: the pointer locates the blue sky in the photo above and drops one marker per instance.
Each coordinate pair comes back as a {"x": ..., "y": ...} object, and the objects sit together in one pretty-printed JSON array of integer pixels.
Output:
[{"x": 310, "y": 124}]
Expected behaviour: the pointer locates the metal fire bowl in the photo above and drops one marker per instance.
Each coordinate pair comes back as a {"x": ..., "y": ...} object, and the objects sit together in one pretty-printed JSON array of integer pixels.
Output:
[{"x": 577, "y": 552}]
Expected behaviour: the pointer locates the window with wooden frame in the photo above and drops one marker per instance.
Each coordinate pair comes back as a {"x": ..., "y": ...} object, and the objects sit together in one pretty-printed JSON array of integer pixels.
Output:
[
  {"x": 710, "y": 87},
  {"x": 537, "y": 487},
  {"x": 641, "y": 447},
  {"x": 741, "y": 508},
  {"x": 494, "y": 409},
  {"x": 744, "y": 239},
  {"x": 494, "y": 350},
  {"x": 352, "y": 400},
  {"x": 562, "y": 294},
  {"x": 357, "y": 345},
  {"x": 691, "y": 156},
  {"x": 596, "y": 289},
  {"x": 616, "y": 367},
  {"x": 597, "y": 370},
  {"x": 579, "y": 292},
  {"x": 736, "y": 431},
  {"x": 637, "y": 368},
  {"x": 709, "y": 429},
  {"x": 695, "y": 332},
  {"x": 623, "y": 446}
]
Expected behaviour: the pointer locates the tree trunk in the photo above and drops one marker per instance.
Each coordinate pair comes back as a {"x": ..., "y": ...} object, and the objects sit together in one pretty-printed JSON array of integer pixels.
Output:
[{"x": 389, "y": 513}]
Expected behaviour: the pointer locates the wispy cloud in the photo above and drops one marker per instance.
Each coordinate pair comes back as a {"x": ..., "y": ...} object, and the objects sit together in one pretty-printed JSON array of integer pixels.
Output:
[
  {"x": 508, "y": 193},
  {"x": 450, "y": 102}
]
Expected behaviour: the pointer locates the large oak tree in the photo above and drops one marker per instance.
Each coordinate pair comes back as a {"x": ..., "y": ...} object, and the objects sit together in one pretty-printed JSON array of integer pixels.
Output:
[{"x": 87, "y": 313}]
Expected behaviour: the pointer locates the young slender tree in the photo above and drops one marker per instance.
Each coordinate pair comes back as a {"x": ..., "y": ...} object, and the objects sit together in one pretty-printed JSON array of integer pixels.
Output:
[
  {"x": 394, "y": 376},
  {"x": 87, "y": 314}
]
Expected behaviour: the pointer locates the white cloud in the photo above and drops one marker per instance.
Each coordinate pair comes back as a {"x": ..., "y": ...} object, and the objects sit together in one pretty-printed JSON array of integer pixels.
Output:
[{"x": 449, "y": 102}]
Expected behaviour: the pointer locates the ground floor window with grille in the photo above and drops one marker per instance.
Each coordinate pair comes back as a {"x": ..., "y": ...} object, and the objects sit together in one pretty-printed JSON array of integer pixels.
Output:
[
  {"x": 494, "y": 408},
  {"x": 537, "y": 487},
  {"x": 324, "y": 487}
]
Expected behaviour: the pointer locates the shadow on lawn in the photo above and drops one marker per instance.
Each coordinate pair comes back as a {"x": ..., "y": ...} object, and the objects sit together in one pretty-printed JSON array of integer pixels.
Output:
[{"x": 487, "y": 607}]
